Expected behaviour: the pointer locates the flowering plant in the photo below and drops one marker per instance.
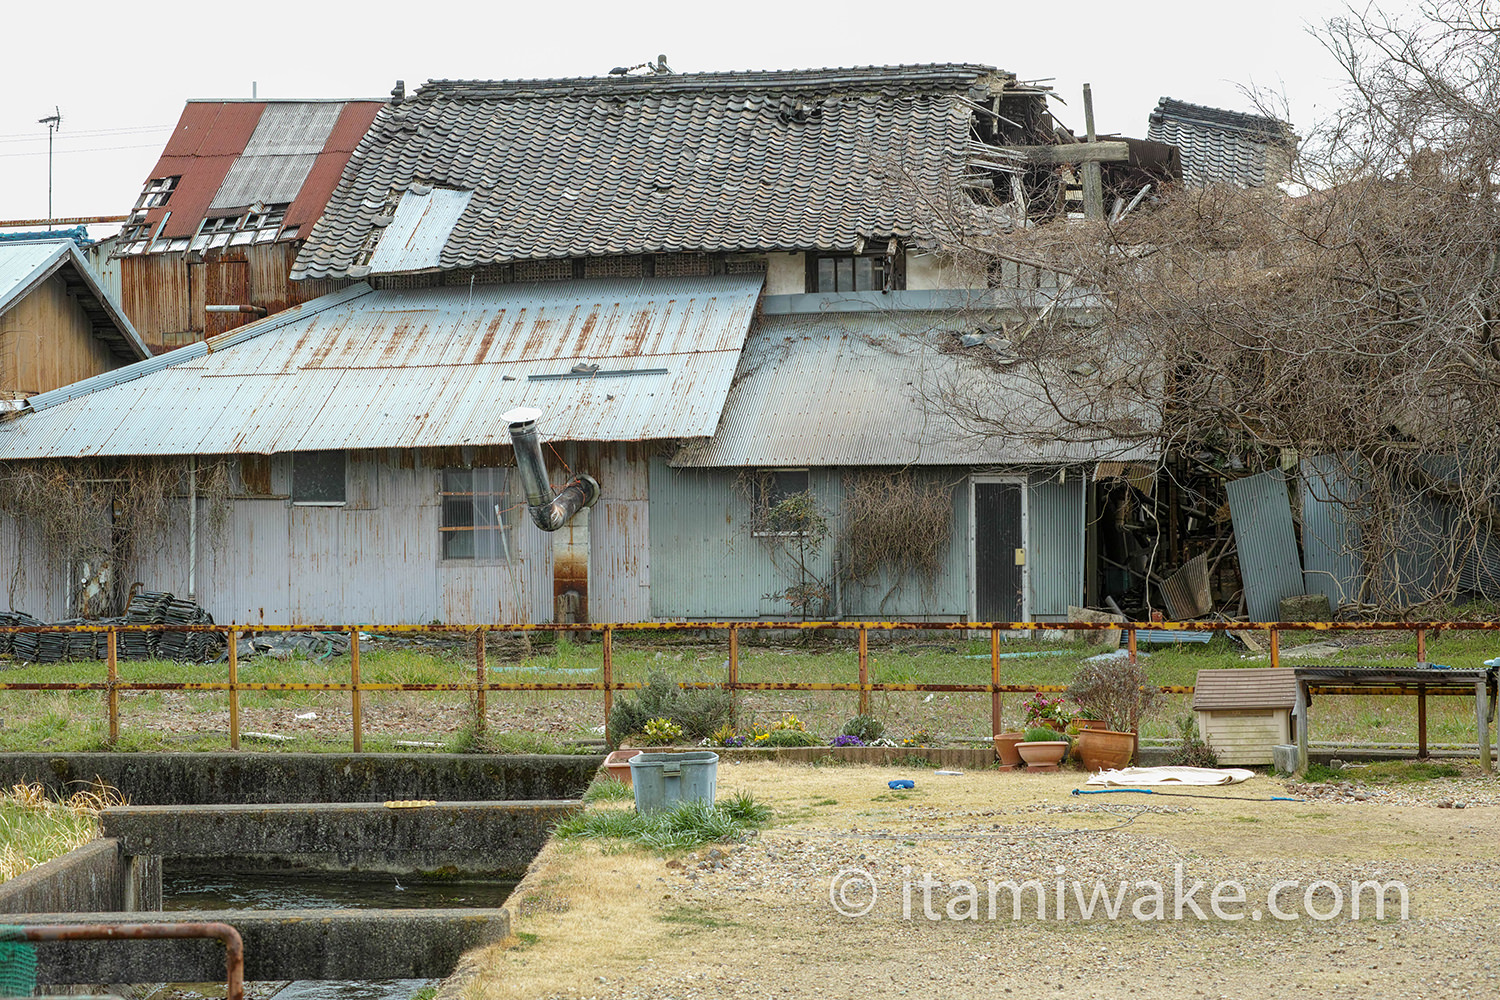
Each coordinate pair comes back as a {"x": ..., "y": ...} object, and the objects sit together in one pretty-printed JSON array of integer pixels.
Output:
[
  {"x": 844, "y": 740},
  {"x": 1041, "y": 710}
]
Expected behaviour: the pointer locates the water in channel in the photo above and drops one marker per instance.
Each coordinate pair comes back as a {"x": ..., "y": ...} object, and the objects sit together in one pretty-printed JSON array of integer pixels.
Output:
[{"x": 194, "y": 890}]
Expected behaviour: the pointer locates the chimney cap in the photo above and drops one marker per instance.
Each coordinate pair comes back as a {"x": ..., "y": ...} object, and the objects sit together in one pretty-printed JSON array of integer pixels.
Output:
[{"x": 521, "y": 415}]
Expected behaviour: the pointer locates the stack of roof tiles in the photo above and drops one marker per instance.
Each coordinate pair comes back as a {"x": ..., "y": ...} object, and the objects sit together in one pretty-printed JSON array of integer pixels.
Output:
[
  {"x": 710, "y": 162},
  {"x": 1223, "y": 147},
  {"x": 22, "y": 645}
]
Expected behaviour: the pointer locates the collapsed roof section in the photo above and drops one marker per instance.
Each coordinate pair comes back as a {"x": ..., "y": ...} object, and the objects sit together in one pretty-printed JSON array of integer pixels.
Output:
[{"x": 469, "y": 174}]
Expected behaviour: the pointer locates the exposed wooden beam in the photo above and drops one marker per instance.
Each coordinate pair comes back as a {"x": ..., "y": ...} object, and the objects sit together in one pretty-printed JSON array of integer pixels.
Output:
[{"x": 1070, "y": 152}]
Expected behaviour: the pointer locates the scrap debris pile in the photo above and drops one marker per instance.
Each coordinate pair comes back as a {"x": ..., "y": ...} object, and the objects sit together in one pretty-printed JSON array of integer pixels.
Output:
[{"x": 148, "y": 608}]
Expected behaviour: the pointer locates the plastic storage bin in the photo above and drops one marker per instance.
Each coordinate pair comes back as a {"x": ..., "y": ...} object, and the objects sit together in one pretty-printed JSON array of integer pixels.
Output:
[{"x": 661, "y": 780}]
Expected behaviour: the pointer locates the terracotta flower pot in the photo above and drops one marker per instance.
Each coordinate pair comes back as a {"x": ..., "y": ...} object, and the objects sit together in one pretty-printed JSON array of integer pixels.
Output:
[
  {"x": 1091, "y": 724},
  {"x": 1104, "y": 749},
  {"x": 1005, "y": 748},
  {"x": 1042, "y": 752},
  {"x": 617, "y": 765}
]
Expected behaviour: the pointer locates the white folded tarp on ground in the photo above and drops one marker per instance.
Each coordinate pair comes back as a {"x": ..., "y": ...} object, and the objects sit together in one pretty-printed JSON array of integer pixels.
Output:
[{"x": 1171, "y": 776}]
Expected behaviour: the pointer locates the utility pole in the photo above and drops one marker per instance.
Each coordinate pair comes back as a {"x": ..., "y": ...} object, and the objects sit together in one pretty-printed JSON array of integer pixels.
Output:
[
  {"x": 53, "y": 123},
  {"x": 1093, "y": 181}
]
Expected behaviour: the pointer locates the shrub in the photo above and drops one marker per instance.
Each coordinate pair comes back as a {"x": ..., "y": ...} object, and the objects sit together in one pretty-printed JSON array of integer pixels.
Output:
[
  {"x": 698, "y": 711},
  {"x": 1192, "y": 750},
  {"x": 1116, "y": 691},
  {"x": 865, "y": 728}
]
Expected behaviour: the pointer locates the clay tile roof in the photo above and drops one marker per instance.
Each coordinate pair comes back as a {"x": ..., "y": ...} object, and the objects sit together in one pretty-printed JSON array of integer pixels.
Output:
[
  {"x": 1223, "y": 147},
  {"x": 701, "y": 162},
  {"x": 1254, "y": 687}
]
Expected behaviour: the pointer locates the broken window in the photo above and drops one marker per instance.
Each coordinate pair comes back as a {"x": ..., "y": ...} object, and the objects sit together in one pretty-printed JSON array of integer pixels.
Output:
[
  {"x": 852, "y": 274},
  {"x": 479, "y": 517},
  {"x": 158, "y": 192},
  {"x": 318, "y": 478},
  {"x": 781, "y": 501}
]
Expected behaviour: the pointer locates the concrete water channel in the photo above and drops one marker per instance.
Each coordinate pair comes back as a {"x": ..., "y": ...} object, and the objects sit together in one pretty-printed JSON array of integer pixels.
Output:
[{"x": 344, "y": 870}]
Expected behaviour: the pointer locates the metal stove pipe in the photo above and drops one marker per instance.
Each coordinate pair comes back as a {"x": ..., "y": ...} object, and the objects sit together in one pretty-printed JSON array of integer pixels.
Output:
[{"x": 548, "y": 511}]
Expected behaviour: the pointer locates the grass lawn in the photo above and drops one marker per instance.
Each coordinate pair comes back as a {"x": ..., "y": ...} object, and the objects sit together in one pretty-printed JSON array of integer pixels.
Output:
[
  {"x": 547, "y": 720},
  {"x": 35, "y": 828}
]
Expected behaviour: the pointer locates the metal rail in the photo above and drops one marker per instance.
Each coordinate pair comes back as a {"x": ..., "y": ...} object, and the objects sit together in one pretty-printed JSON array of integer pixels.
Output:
[
  {"x": 234, "y": 946},
  {"x": 112, "y": 685}
]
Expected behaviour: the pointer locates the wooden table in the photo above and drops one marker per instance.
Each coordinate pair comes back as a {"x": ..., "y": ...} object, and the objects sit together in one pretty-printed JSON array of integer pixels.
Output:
[{"x": 1420, "y": 681}]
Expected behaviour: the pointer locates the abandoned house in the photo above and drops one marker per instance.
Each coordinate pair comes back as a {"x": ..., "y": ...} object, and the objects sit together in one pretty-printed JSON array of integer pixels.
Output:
[
  {"x": 58, "y": 324},
  {"x": 723, "y": 293},
  {"x": 209, "y": 244}
]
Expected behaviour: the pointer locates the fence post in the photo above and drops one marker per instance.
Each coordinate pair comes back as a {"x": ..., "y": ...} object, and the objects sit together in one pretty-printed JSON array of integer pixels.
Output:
[
  {"x": 114, "y": 690},
  {"x": 864, "y": 670},
  {"x": 734, "y": 663},
  {"x": 1130, "y": 633},
  {"x": 609, "y": 677},
  {"x": 356, "y": 709},
  {"x": 480, "y": 677},
  {"x": 234, "y": 689},
  {"x": 1275, "y": 647},
  {"x": 996, "y": 703},
  {"x": 1421, "y": 645}
]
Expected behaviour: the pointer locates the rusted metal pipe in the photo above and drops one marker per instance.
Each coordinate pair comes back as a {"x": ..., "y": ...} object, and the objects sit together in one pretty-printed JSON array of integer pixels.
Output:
[
  {"x": 248, "y": 310},
  {"x": 548, "y": 511},
  {"x": 234, "y": 945}
]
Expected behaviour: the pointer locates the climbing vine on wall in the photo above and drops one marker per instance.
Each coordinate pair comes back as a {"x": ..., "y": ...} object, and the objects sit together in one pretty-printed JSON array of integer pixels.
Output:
[
  {"x": 895, "y": 523},
  {"x": 92, "y": 516}
]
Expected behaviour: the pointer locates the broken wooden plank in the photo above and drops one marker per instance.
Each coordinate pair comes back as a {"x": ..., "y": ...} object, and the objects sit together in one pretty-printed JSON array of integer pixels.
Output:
[{"x": 1072, "y": 152}]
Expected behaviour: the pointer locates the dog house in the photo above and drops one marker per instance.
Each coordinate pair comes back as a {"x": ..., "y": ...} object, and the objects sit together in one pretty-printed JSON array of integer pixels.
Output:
[{"x": 1244, "y": 713}]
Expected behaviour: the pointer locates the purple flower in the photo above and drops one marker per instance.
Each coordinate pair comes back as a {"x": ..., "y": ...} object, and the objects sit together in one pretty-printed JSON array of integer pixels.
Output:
[{"x": 848, "y": 741}]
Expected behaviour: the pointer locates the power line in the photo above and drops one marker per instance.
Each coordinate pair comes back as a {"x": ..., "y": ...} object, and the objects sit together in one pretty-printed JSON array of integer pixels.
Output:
[
  {"x": 88, "y": 133},
  {"x": 91, "y": 149}
]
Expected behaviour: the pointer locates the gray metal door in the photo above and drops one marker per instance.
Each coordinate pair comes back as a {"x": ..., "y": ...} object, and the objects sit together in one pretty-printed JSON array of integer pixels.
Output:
[{"x": 999, "y": 547}]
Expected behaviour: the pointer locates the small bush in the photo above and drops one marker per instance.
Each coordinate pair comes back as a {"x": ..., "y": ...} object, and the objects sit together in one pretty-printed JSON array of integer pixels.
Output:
[
  {"x": 1117, "y": 691},
  {"x": 698, "y": 711},
  {"x": 1192, "y": 750},
  {"x": 865, "y": 728},
  {"x": 790, "y": 738},
  {"x": 1041, "y": 734},
  {"x": 605, "y": 789},
  {"x": 918, "y": 738}
]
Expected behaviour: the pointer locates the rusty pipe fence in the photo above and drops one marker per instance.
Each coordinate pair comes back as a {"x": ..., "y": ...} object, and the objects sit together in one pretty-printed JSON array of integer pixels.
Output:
[
  {"x": 481, "y": 686},
  {"x": 234, "y": 946}
]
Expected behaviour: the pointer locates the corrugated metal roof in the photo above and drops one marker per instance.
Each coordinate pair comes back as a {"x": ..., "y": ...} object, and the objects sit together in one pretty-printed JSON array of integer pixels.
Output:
[
  {"x": 288, "y": 128},
  {"x": 414, "y": 239},
  {"x": 269, "y": 179},
  {"x": 861, "y": 389},
  {"x": 1250, "y": 687},
  {"x": 24, "y": 266},
  {"x": 429, "y": 367}
]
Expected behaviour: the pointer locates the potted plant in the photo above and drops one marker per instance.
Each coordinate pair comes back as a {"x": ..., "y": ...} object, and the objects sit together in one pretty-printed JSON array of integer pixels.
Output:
[
  {"x": 1005, "y": 747},
  {"x": 1042, "y": 748},
  {"x": 1119, "y": 693}
]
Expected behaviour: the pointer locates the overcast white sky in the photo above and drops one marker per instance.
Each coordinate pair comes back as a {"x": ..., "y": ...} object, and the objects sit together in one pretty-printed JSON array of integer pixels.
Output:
[{"x": 120, "y": 72}]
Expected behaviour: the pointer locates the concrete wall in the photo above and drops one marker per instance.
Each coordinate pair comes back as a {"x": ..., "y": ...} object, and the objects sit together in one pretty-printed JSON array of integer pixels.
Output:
[
  {"x": 97, "y": 876},
  {"x": 279, "y": 944},
  {"x": 217, "y": 778},
  {"x": 491, "y": 840},
  {"x": 786, "y": 273}
]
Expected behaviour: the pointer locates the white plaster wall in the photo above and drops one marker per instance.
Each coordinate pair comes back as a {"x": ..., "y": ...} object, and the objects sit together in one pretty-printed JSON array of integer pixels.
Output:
[{"x": 786, "y": 273}]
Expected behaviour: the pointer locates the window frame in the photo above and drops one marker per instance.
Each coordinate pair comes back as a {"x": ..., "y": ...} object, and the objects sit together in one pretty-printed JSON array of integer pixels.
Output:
[
  {"x": 883, "y": 264},
  {"x": 767, "y": 491},
  {"x": 305, "y": 498},
  {"x": 503, "y": 524}
]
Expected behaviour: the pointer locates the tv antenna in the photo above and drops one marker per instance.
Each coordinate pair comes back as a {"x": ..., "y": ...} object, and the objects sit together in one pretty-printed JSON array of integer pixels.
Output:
[{"x": 53, "y": 123}]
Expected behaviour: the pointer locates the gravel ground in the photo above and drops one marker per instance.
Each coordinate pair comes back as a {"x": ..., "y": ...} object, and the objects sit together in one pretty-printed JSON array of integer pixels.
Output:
[{"x": 756, "y": 919}]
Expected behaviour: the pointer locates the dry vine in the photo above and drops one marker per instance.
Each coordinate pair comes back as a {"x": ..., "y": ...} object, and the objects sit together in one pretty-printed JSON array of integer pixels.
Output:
[
  {"x": 895, "y": 522},
  {"x": 104, "y": 512}
]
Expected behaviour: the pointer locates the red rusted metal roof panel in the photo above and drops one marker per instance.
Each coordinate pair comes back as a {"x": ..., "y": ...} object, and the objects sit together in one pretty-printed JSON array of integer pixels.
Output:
[
  {"x": 209, "y": 136},
  {"x": 197, "y": 118},
  {"x": 201, "y": 178},
  {"x": 354, "y": 121},
  {"x": 232, "y": 128}
]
